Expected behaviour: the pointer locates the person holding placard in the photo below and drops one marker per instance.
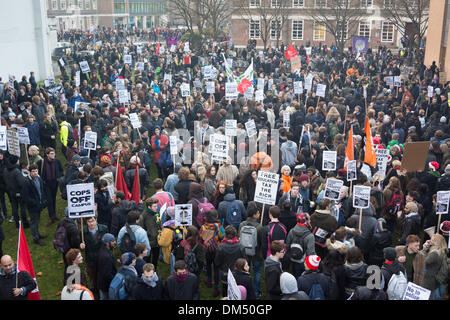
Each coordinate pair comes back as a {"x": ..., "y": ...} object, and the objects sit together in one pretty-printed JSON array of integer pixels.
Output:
[{"x": 323, "y": 225}]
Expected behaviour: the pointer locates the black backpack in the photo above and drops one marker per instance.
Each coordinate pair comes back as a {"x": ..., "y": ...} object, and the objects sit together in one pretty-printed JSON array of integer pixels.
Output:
[
  {"x": 191, "y": 260},
  {"x": 297, "y": 250},
  {"x": 60, "y": 241},
  {"x": 128, "y": 240}
]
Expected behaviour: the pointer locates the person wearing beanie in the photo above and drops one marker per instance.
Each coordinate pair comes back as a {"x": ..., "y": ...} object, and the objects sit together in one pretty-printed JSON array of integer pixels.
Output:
[
  {"x": 381, "y": 239},
  {"x": 128, "y": 271},
  {"x": 181, "y": 285},
  {"x": 288, "y": 285},
  {"x": 390, "y": 266},
  {"x": 313, "y": 279}
]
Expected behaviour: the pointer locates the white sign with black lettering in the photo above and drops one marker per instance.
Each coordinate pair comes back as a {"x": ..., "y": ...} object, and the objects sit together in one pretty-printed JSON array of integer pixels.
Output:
[
  {"x": 127, "y": 59},
  {"x": 186, "y": 47},
  {"x": 309, "y": 82},
  {"x": 120, "y": 84},
  {"x": 123, "y": 96},
  {"x": 248, "y": 94},
  {"x": 308, "y": 51},
  {"x": 219, "y": 147},
  {"x": 77, "y": 78},
  {"x": 250, "y": 126},
  {"x": 430, "y": 91},
  {"x": 298, "y": 87},
  {"x": 210, "y": 87},
  {"x": 361, "y": 197},
  {"x": 90, "y": 140},
  {"x": 3, "y": 144},
  {"x": 286, "y": 119},
  {"x": 233, "y": 291},
  {"x": 134, "y": 119},
  {"x": 382, "y": 160},
  {"x": 80, "y": 200},
  {"x": 185, "y": 90},
  {"x": 168, "y": 77},
  {"x": 61, "y": 62},
  {"x": 197, "y": 84},
  {"x": 23, "y": 135},
  {"x": 333, "y": 189},
  {"x": 11, "y": 82},
  {"x": 231, "y": 127},
  {"x": 320, "y": 90},
  {"x": 351, "y": 170},
  {"x": 12, "y": 139},
  {"x": 259, "y": 95},
  {"x": 173, "y": 145},
  {"x": 397, "y": 81},
  {"x": 389, "y": 81},
  {"x": 140, "y": 65},
  {"x": 329, "y": 160},
  {"x": 260, "y": 84},
  {"x": 415, "y": 292},
  {"x": 84, "y": 66},
  {"x": 231, "y": 90},
  {"x": 442, "y": 202},
  {"x": 266, "y": 187},
  {"x": 183, "y": 215}
]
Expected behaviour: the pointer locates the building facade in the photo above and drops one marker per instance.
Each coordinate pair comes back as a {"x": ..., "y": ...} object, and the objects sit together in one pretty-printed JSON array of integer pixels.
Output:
[{"x": 301, "y": 29}]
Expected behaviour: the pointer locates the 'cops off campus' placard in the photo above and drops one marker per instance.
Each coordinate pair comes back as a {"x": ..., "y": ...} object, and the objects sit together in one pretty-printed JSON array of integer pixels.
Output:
[
  {"x": 80, "y": 200},
  {"x": 219, "y": 147},
  {"x": 266, "y": 187}
]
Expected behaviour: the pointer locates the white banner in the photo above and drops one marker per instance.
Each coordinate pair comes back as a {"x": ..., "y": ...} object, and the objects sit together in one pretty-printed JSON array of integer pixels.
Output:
[
  {"x": 80, "y": 200},
  {"x": 266, "y": 187},
  {"x": 183, "y": 215}
]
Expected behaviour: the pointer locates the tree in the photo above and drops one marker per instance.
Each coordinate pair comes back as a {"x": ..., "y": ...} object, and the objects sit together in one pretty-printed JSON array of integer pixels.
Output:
[
  {"x": 216, "y": 13},
  {"x": 339, "y": 17},
  {"x": 191, "y": 12}
]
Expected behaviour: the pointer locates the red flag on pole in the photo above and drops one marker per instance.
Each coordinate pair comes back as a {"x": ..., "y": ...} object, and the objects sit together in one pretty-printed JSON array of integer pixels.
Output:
[
  {"x": 349, "y": 154},
  {"x": 290, "y": 52},
  {"x": 244, "y": 85},
  {"x": 120, "y": 183},
  {"x": 370, "y": 156},
  {"x": 135, "y": 192},
  {"x": 157, "y": 49},
  {"x": 24, "y": 262}
]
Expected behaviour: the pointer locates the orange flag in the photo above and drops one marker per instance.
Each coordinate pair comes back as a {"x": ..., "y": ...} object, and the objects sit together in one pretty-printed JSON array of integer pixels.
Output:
[
  {"x": 369, "y": 152},
  {"x": 135, "y": 192},
  {"x": 349, "y": 156}
]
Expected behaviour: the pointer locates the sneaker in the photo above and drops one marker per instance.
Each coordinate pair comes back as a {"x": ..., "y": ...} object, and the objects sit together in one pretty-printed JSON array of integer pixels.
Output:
[
  {"x": 43, "y": 236},
  {"x": 11, "y": 220},
  {"x": 39, "y": 242}
]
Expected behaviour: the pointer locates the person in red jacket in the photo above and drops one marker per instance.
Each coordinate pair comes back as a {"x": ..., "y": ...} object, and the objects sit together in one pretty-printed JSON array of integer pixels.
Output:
[{"x": 159, "y": 141}]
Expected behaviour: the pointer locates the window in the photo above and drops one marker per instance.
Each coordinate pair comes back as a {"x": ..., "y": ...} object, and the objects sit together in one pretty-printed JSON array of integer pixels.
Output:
[
  {"x": 320, "y": 3},
  {"x": 342, "y": 3},
  {"x": 339, "y": 31},
  {"x": 275, "y": 29},
  {"x": 364, "y": 28},
  {"x": 63, "y": 3},
  {"x": 275, "y": 3},
  {"x": 80, "y": 4},
  {"x": 71, "y": 3},
  {"x": 255, "y": 29},
  {"x": 54, "y": 5},
  {"x": 366, "y": 3},
  {"x": 297, "y": 29},
  {"x": 255, "y": 3},
  {"x": 298, "y": 3},
  {"x": 87, "y": 4},
  {"x": 389, "y": 4},
  {"x": 319, "y": 31},
  {"x": 387, "y": 32},
  {"x": 94, "y": 4}
]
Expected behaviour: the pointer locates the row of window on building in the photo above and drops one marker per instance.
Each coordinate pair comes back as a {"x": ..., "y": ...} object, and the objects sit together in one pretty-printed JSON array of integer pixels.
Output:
[
  {"x": 78, "y": 4},
  {"x": 324, "y": 3}
]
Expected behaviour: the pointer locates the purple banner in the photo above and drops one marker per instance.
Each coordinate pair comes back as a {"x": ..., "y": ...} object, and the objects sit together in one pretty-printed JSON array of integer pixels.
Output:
[
  {"x": 360, "y": 44},
  {"x": 171, "y": 40}
]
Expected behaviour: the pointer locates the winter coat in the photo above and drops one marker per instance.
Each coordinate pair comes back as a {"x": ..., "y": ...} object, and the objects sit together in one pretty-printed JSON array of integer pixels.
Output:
[
  {"x": 225, "y": 256},
  {"x": 182, "y": 290},
  {"x": 418, "y": 264},
  {"x": 244, "y": 279},
  {"x": 272, "y": 273},
  {"x": 307, "y": 279},
  {"x": 148, "y": 222},
  {"x": 324, "y": 220},
  {"x": 224, "y": 205},
  {"x": 270, "y": 232},
  {"x": 93, "y": 242},
  {"x": 227, "y": 173},
  {"x": 72, "y": 233},
  {"x": 288, "y": 153},
  {"x": 139, "y": 233},
  {"x": 14, "y": 179},
  {"x": 144, "y": 180},
  {"x": 46, "y": 130},
  {"x": 119, "y": 215},
  {"x": 259, "y": 231},
  {"x": 143, "y": 291},
  {"x": 165, "y": 239},
  {"x": 33, "y": 133},
  {"x": 308, "y": 239},
  {"x": 379, "y": 241},
  {"x": 388, "y": 270},
  {"x": 104, "y": 207},
  {"x": 356, "y": 275},
  {"x": 433, "y": 262},
  {"x": 411, "y": 225},
  {"x": 368, "y": 224},
  {"x": 34, "y": 199},
  {"x": 8, "y": 282},
  {"x": 182, "y": 189}
]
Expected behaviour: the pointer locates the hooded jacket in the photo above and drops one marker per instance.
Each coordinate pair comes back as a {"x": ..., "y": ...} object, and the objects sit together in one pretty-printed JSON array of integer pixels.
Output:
[
  {"x": 288, "y": 153},
  {"x": 355, "y": 275},
  {"x": 224, "y": 205},
  {"x": 119, "y": 214},
  {"x": 411, "y": 225},
  {"x": 139, "y": 233},
  {"x": 14, "y": 179},
  {"x": 324, "y": 220},
  {"x": 308, "y": 239},
  {"x": 387, "y": 270},
  {"x": 272, "y": 273},
  {"x": 368, "y": 225},
  {"x": 226, "y": 256},
  {"x": 143, "y": 291}
]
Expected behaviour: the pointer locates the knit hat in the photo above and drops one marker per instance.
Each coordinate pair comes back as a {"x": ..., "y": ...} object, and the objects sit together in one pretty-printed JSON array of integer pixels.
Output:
[
  {"x": 302, "y": 218},
  {"x": 433, "y": 165},
  {"x": 288, "y": 283},
  {"x": 389, "y": 254},
  {"x": 105, "y": 160},
  {"x": 376, "y": 140},
  {"x": 243, "y": 291},
  {"x": 312, "y": 262},
  {"x": 381, "y": 225},
  {"x": 303, "y": 177},
  {"x": 76, "y": 158},
  {"x": 127, "y": 258},
  {"x": 107, "y": 238},
  {"x": 445, "y": 227}
]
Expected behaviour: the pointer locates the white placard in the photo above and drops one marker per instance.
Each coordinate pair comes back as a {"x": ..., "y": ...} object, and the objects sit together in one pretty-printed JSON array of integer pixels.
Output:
[
  {"x": 127, "y": 59},
  {"x": 172, "y": 48},
  {"x": 266, "y": 187},
  {"x": 24, "y": 138},
  {"x": 248, "y": 94},
  {"x": 308, "y": 82},
  {"x": 185, "y": 90},
  {"x": 382, "y": 160},
  {"x": 333, "y": 189},
  {"x": 12, "y": 139},
  {"x": 231, "y": 90},
  {"x": 120, "y": 84},
  {"x": 168, "y": 76},
  {"x": 84, "y": 66},
  {"x": 250, "y": 127},
  {"x": 3, "y": 144},
  {"x": 11, "y": 82},
  {"x": 389, "y": 81},
  {"x": 173, "y": 145},
  {"x": 329, "y": 160},
  {"x": 397, "y": 81},
  {"x": 259, "y": 95},
  {"x": 197, "y": 84},
  {"x": 308, "y": 51},
  {"x": 186, "y": 47},
  {"x": 209, "y": 72},
  {"x": 269, "y": 84},
  {"x": 140, "y": 65},
  {"x": 320, "y": 90},
  {"x": 430, "y": 91},
  {"x": 90, "y": 140},
  {"x": 125, "y": 50},
  {"x": 442, "y": 202},
  {"x": 219, "y": 147},
  {"x": 361, "y": 197},
  {"x": 415, "y": 292},
  {"x": 80, "y": 200},
  {"x": 99, "y": 43},
  {"x": 134, "y": 119},
  {"x": 233, "y": 291},
  {"x": 260, "y": 84},
  {"x": 365, "y": 92},
  {"x": 139, "y": 50},
  {"x": 210, "y": 87},
  {"x": 61, "y": 62},
  {"x": 77, "y": 78},
  {"x": 123, "y": 96},
  {"x": 231, "y": 127},
  {"x": 183, "y": 215},
  {"x": 351, "y": 170},
  {"x": 286, "y": 119},
  {"x": 298, "y": 87},
  {"x": 230, "y": 62}
]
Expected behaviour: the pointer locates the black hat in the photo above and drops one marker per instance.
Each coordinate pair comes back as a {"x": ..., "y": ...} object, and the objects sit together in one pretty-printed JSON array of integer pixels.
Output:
[{"x": 389, "y": 254}]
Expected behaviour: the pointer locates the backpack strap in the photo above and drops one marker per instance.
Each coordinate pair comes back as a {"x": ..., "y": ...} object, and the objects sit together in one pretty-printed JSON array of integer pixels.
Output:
[{"x": 81, "y": 295}]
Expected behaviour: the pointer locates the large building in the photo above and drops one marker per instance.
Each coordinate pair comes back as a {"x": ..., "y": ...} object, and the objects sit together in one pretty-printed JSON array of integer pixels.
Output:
[{"x": 249, "y": 23}]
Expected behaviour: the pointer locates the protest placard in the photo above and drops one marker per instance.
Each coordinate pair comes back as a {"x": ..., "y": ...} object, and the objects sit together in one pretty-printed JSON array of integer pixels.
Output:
[
  {"x": 260, "y": 84},
  {"x": 389, "y": 81},
  {"x": 12, "y": 139},
  {"x": 286, "y": 119},
  {"x": 231, "y": 127},
  {"x": 415, "y": 292},
  {"x": 382, "y": 160},
  {"x": 173, "y": 145},
  {"x": 361, "y": 197},
  {"x": 266, "y": 187},
  {"x": 168, "y": 76},
  {"x": 351, "y": 170},
  {"x": 250, "y": 127},
  {"x": 231, "y": 90},
  {"x": 185, "y": 90},
  {"x": 329, "y": 160},
  {"x": 298, "y": 87},
  {"x": 61, "y": 62},
  {"x": 183, "y": 215},
  {"x": 397, "y": 81},
  {"x": 11, "y": 81},
  {"x": 84, "y": 66},
  {"x": 77, "y": 78},
  {"x": 249, "y": 93},
  {"x": 259, "y": 95},
  {"x": 123, "y": 96},
  {"x": 210, "y": 87},
  {"x": 233, "y": 291},
  {"x": 430, "y": 91},
  {"x": 3, "y": 144},
  {"x": 309, "y": 81},
  {"x": 269, "y": 84},
  {"x": 219, "y": 147},
  {"x": 186, "y": 47},
  {"x": 23, "y": 135},
  {"x": 120, "y": 84},
  {"x": 308, "y": 51},
  {"x": 125, "y": 50},
  {"x": 90, "y": 140},
  {"x": 197, "y": 84},
  {"x": 415, "y": 155},
  {"x": 80, "y": 200},
  {"x": 127, "y": 59},
  {"x": 134, "y": 119},
  {"x": 140, "y": 65},
  {"x": 442, "y": 202},
  {"x": 333, "y": 189},
  {"x": 296, "y": 64},
  {"x": 320, "y": 90}
]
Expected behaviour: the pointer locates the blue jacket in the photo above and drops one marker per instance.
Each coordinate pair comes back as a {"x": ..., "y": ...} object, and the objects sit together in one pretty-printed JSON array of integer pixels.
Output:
[
  {"x": 139, "y": 233},
  {"x": 304, "y": 192},
  {"x": 33, "y": 133}
]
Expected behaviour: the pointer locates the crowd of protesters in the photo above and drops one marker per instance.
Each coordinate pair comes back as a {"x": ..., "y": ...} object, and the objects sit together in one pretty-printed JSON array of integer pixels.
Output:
[{"x": 307, "y": 246}]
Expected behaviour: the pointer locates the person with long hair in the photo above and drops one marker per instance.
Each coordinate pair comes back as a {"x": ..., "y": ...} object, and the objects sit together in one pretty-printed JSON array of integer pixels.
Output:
[
  {"x": 219, "y": 194},
  {"x": 192, "y": 243},
  {"x": 242, "y": 276},
  {"x": 210, "y": 182},
  {"x": 436, "y": 274},
  {"x": 393, "y": 188},
  {"x": 247, "y": 186}
]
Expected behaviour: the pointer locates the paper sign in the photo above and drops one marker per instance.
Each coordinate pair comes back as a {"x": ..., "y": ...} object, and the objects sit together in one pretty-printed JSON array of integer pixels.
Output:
[
  {"x": 139, "y": 50},
  {"x": 361, "y": 197},
  {"x": 12, "y": 139},
  {"x": 168, "y": 77},
  {"x": 415, "y": 292},
  {"x": 430, "y": 90},
  {"x": 231, "y": 90},
  {"x": 61, "y": 62},
  {"x": 77, "y": 78},
  {"x": 382, "y": 160},
  {"x": 123, "y": 96},
  {"x": 183, "y": 215},
  {"x": 11, "y": 82},
  {"x": 333, "y": 189},
  {"x": 219, "y": 147},
  {"x": 286, "y": 119},
  {"x": 298, "y": 87},
  {"x": 296, "y": 64},
  {"x": 397, "y": 81},
  {"x": 231, "y": 127},
  {"x": 127, "y": 59},
  {"x": 90, "y": 140},
  {"x": 172, "y": 48},
  {"x": 389, "y": 81},
  {"x": 173, "y": 145},
  {"x": 308, "y": 82},
  {"x": 270, "y": 84},
  {"x": 125, "y": 50},
  {"x": 321, "y": 89},
  {"x": 250, "y": 126},
  {"x": 140, "y": 65},
  {"x": 329, "y": 160},
  {"x": 210, "y": 87},
  {"x": 3, "y": 144},
  {"x": 197, "y": 83},
  {"x": 24, "y": 138},
  {"x": 120, "y": 84},
  {"x": 185, "y": 90},
  {"x": 351, "y": 170},
  {"x": 186, "y": 47},
  {"x": 259, "y": 95},
  {"x": 134, "y": 119},
  {"x": 249, "y": 93},
  {"x": 80, "y": 200},
  {"x": 266, "y": 187},
  {"x": 308, "y": 51},
  {"x": 442, "y": 202},
  {"x": 233, "y": 291},
  {"x": 84, "y": 66},
  {"x": 260, "y": 84}
]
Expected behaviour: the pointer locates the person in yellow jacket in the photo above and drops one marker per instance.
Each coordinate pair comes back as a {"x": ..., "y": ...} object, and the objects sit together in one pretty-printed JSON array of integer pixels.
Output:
[{"x": 65, "y": 133}]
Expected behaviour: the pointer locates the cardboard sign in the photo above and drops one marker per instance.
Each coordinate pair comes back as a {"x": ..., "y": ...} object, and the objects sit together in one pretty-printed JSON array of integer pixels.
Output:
[
  {"x": 329, "y": 160},
  {"x": 210, "y": 87},
  {"x": 333, "y": 189},
  {"x": 249, "y": 93},
  {"x": 266, "y": 187},
  {"x": 231, "y": 127},
  {"x": 24, "y": 138},
  {"x": 259, "y": 95},
  {"x": 250, "y": 127},
  {"x": 3, "y": 143},
  {"x": 120, "y": 84},
  {"x": 382, "y": 160},
  {"x": 173, "y": 145},
  {"x": 219, "y": 147},
  {"x": 415, "y": 292},
  {"x": 84, "y": 66},
  {"x": 183, "y": 215},
  {"x": 442, "y": 202},
  {"x": 90, "y": 140},
  {"x": 233, "y": 291},
  {"x": 351, "y": 170},
  {"x": 80, "y": 200},
  {"x": 127, "y": 59},
  {"x": 361, "y": 197},
  {"x": 415, "y": 156},
  {"x": 298, "y": 87},
  {"x": 123, "y": 96},
  {"x": 185, "y": 90},
  {"x": 231, "y": 91},
  {"x": 134, "y": 119},
  {"x": 321, "y": 89},
  {"x": 12, "y": 139}
]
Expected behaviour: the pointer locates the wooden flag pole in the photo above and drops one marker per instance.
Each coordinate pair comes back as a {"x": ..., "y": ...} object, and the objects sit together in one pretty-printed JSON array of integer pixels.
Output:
[
  {"x": 438, "y": 224},
  {"x": 26, "y": 151},
  {"x": 82, "y": 232},
  {"x": 262, "y": 213},
  {"x": 360, "y": 219},
  {"x": 351, "y": 187}
]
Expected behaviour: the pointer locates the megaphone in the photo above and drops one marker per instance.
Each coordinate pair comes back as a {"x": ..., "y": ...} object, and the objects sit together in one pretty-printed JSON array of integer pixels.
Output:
[{"x": 430, "y": 231}]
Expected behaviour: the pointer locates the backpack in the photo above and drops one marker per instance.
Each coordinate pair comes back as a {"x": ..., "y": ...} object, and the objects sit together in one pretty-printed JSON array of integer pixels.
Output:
[
  {"x": 397, "y": 286},
  {"x": 60, "y": 241},
  {"x": 191, "y": 260},
  {"x": 249, "y": 239},
  {"x": 320, "y": 236},
  {"x": 165, "y": 159},
  {"x": 395, "y": 204},
  {"x": 234, "y": 216},
  {"x": 69, "y": 132},
  {"x": 202, "y": 208},
  {"x": 117, "y": 289},
  {"x": 208, "y": 235},
  {"x": 296, "y": 252},
  {"x": 270, "y": 236},
  {"x": 176, "y": 241},
  {"x": 316, "y": 292},
  {"x": 128, "y": 240}
]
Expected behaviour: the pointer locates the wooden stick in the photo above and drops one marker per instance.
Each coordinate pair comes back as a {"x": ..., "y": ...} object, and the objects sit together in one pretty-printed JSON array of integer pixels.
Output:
[
  {"x": 360, "y": 219},
  {"x": 438, "y": 224},
  {"x": 82, "y": 231},
  {"x": 89, "y": 153},
  {"x": 262, "y": 213},
  {"x": 351, "y": 187},
  {"x": 26, "y": 149}
]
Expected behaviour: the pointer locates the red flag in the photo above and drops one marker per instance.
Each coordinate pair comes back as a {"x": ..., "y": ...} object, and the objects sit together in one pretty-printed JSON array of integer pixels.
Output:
[
  {"x": 370, "y": 156},
  {"x": 24, "y": 262},
  {"x": 349, "y": 156},
  {"x": 157, "y": 49},
  {"x": 135, "y": 192},
  {"x": 307, "y": 59},
  {"x": 290, "y": 52},
  {"x": 244, "y": 85},
  {"x": 120, "y": 183}
]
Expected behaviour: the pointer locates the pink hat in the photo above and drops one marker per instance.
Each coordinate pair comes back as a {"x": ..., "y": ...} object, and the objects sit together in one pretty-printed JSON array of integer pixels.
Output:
[
  {"x": 312, "y": 262},
  {"x": 243, "y": 291}
]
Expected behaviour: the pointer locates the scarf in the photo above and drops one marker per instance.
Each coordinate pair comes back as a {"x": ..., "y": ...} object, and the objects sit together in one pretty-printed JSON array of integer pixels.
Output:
[
  {"x": 181, "y": 277},
  {"x": 150, "y": 281},
  {"x": 50, "y": 172},
  {"x": 131, "y": 268},
  {"x": 230, "y": 241}
]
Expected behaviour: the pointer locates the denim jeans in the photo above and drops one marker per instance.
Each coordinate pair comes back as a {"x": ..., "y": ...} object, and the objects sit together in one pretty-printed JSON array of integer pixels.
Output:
[
  {"x": 35, "y": 217},
  {"x": 103, "y": 295},
  {"x": 438, "y": 293},
  {"x": 172, "y": 263},
  {"x": 257, "y": 264}
]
